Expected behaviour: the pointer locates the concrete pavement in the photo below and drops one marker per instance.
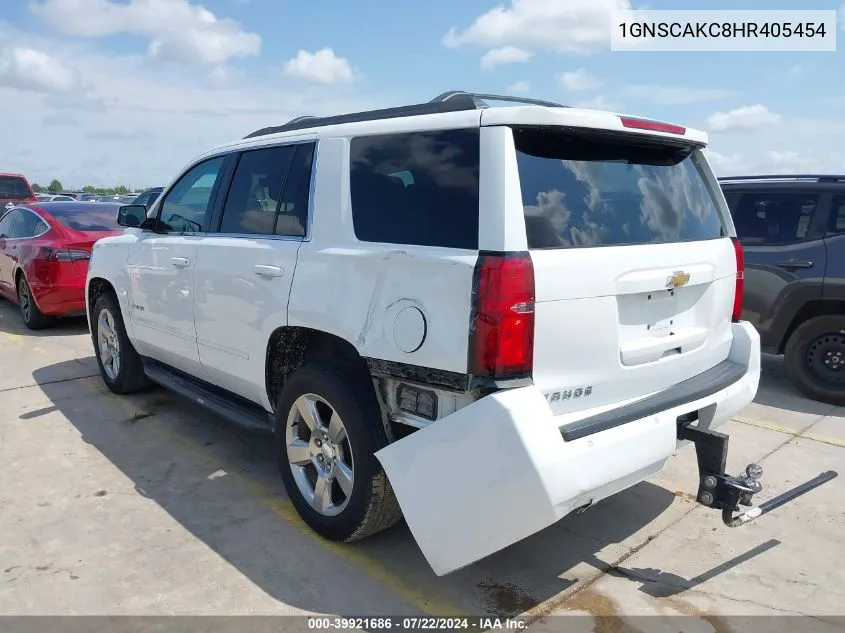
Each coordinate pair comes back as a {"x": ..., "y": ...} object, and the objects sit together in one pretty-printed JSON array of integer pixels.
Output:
[{"x": 148, "y": 505}]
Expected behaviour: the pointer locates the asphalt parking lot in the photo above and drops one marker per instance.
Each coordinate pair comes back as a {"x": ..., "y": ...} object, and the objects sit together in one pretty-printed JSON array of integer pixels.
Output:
[{"x": 147, "y": 505}]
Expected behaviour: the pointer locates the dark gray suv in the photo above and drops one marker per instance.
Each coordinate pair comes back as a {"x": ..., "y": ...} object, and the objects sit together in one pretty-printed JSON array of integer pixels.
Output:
[{"x": 792, "y": 228}]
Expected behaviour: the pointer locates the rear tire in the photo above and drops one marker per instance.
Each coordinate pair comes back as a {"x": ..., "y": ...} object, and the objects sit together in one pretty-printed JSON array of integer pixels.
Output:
[
  {"x": 355, "y": 499},
  {"x": 815, "y": 359},
  {"x": 120, "y": 365},
  {"x": 32, "y": 317}
]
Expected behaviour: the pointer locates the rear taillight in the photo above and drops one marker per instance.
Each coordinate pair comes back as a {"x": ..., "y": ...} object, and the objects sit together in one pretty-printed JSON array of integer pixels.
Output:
[
  {"x": 653, "y": 126},
  {"x": 740, "y": 279},
  {"x": 62, "y": 254},
  {"x": 502, "y": 327}
]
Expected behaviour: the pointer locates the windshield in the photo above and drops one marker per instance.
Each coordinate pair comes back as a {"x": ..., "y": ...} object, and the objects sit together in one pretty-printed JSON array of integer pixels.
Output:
[
  {"x": 14, "y": 188},
  {"x": 89, "y": 217},
  {"x": 581, "y": 190}
]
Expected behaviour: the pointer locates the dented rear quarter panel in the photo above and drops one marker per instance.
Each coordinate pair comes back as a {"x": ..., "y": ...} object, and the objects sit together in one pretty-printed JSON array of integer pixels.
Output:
[{"x": 356, "y": 290}]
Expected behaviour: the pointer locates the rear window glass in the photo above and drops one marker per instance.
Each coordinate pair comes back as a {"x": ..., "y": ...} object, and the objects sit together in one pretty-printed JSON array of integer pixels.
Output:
[
  {"x": 416, "y": 188},
  {"x": 14, "y": 187},
  {"x": 88, "y": 217},
  {"x": 581, "y": 190}
]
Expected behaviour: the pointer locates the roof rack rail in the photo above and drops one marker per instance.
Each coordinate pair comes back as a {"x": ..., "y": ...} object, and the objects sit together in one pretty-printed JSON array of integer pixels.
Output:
[
  {"x": 818, "y": 177},
  {"x": 481, "y": 97},
  {"x": 452, "y": 101}
]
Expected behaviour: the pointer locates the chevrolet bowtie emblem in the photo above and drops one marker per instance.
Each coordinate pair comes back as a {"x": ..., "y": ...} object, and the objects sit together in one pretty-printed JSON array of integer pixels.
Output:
[{"x": 679, "y": 278}]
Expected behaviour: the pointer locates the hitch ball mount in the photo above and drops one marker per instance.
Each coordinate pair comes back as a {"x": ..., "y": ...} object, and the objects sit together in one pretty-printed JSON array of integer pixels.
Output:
[{"x": 721, "y": 491}]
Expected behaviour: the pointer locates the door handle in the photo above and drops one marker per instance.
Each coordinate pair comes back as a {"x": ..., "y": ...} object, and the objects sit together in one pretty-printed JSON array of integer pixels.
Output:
[
  {"x": 795, "y": 263},
  {"x": 180, "y": 262},
  {"x": 268, "y": 271}
]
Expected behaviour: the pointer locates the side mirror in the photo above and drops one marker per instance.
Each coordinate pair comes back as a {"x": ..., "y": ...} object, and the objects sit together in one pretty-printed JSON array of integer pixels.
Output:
[{"x": 131, "y": 215}]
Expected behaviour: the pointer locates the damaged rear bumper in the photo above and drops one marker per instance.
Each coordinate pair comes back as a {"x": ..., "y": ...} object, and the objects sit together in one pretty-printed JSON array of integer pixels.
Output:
[{"x": 501, "y": 469}]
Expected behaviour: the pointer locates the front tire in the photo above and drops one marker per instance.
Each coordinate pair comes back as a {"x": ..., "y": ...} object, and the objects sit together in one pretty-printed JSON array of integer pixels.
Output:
[
  {"x": 32, "y": 317},
  {"x": 120, "y": 365},
  {"x": 328, "y": 429},
  {"x": 815, "y": 359}
]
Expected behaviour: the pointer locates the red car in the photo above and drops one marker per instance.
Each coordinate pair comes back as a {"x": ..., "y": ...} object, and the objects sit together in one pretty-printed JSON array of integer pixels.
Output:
[
  {"x": 44, "y": 253},
  {"x": 14, "y": 189}
]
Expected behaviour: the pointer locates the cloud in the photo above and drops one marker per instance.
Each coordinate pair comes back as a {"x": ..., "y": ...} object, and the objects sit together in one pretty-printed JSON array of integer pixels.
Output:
[
  {"x": 674, "y": 95},
  {"x": 796, "y": 70},
  {"x": 563, "y": 26},
  {"x": 59, "y": 120},
  {"x": 29, "y": 69},
  {"x": 579, "y": 81},
  {"x": 724, "y": 164},
  {"x": 189, "y": 115},
  {"x": 743, "y": 118},
  {"x": 599, "y": 103},
  {"x": 505, "y": 55},
  {"x": 322, "y": 67},
  {"x": 797, "y": 145},
  {"x": 178, "y": 31},
  {"x": 520, "y": 87},
  {"x": 114, "y": 135}
]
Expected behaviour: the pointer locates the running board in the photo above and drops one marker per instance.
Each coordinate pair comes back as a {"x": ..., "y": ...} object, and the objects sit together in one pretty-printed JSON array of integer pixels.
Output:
[{"x": 228, "y": 406}]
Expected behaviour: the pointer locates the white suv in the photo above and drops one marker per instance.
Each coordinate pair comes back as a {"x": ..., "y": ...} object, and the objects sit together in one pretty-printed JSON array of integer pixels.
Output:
[{"x": 487, "y": 316}]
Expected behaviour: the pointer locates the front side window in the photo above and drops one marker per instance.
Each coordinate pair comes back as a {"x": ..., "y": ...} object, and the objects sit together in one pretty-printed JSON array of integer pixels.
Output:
[
  {"x": 416, "y": 188},
  {"x": 188, "y": 203},
  {"x": 774, "y": 217}
]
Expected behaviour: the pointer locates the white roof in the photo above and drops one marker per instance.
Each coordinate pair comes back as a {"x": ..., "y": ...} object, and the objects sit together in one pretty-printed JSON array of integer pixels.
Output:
[{"x": 508, "y": 115}]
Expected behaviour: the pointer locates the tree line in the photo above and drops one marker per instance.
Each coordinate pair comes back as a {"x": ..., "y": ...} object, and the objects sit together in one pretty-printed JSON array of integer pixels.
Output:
[{"x": 56, "y": 187}]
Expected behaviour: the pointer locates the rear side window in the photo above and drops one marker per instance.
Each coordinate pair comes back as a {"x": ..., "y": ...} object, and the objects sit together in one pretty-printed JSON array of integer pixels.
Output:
[
  {"x": 29, "y": 225},
  {"x": 7, "y": 222},
  {"x": 416, "y": 188},
  {"x": 581, "y": 190},
  {"x": 837, "y": 217},
  {"x": 256, "y": 190}
]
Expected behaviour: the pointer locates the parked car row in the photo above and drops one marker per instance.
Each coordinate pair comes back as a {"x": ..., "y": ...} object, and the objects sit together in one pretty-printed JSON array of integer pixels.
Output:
[
  {"x": 45, "y": 245},
  {"x": 495, "y": 315},
  {"x": 16, "y": 188}
]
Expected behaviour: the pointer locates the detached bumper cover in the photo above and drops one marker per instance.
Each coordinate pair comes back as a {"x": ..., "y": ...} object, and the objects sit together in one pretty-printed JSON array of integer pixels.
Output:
[{"x": 500, "y": 469}]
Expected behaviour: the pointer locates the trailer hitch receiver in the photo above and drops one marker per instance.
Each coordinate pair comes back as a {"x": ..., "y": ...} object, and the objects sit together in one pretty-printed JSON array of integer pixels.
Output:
[{"x": 720, "y": 491}]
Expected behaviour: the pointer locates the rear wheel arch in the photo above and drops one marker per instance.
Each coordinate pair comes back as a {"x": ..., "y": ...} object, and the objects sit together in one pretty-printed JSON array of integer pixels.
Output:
[
  {"x": 811, "y": 310},
  {"x": 19, "y": 274},
  {"x": 815, "y": 358},
  {"x": 291, "y": 347}
]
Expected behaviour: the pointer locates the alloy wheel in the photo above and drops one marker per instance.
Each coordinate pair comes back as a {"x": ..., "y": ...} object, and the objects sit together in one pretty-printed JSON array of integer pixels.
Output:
[{"x": 319, "y": 454}]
